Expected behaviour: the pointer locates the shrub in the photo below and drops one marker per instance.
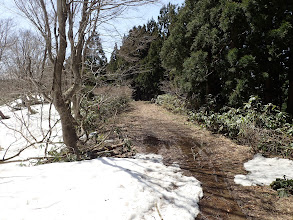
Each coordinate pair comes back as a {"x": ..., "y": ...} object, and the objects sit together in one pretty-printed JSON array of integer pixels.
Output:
[
  {"x": 104, "y": 104},
  {"x": 263, "y": 127},
  {"x": 284, "y": 186},
  {"x": 171, "y": 103}
]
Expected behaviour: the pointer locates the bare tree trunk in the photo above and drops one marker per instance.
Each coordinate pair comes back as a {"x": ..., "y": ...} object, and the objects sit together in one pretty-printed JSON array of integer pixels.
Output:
[
  {"x": 68, "y": 127},
  {"x": 69, "y": 132},
  {"x": 50, "y": 18},
  {"x": 290, "y": 96}
]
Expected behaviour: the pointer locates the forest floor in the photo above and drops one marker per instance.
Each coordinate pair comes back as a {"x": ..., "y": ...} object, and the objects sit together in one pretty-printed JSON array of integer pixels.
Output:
[{"x": 212, "y": 159}]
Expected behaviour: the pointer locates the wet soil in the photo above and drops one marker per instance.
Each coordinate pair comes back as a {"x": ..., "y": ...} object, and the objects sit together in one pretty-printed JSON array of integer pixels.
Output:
[{"x": 212, "y": 159}]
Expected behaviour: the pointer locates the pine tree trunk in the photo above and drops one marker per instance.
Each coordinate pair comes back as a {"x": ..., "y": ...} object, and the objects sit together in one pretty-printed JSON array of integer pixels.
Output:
[{"x": 273, "y": 88}]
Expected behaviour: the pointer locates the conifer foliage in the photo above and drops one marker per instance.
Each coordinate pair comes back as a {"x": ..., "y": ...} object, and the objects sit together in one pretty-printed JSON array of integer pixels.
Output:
[{"x": 227, "y": 50}]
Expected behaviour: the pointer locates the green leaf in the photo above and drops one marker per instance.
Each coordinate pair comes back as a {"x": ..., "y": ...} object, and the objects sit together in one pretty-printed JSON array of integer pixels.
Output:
[{"x": 282, "y": 192}]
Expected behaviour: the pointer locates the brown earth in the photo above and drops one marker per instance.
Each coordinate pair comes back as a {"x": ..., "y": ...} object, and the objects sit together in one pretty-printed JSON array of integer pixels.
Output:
[{"x": 212, "y": 159}]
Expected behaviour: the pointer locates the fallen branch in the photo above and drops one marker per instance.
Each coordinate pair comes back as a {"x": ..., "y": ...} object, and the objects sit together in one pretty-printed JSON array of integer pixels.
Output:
[
  {"x": 3, "y": 116},
  {"x": 117, "y": 145},
  {"x": 99, "y": 144},
  {"x": 27, "y": 159},
  {"x": 15, "y": 155},
  {"x": 159, "y": 211},
  {"x": 109, "y": 148},
  {"x": 102, "y": 152}
]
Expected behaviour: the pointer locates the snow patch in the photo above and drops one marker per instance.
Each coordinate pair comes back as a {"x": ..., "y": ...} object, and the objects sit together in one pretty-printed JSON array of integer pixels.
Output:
[
  {"x": 23, "y": 129},
  {"x": 263, "y": 171},
  {"x": 104, "y": 188}
]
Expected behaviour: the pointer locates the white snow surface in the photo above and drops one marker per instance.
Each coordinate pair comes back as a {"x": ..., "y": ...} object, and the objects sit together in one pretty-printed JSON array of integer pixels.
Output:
[
  {"x": 263, "y": 171},
  {"x": 105, "y": 188},
  {"x": 23, "y": 129}
]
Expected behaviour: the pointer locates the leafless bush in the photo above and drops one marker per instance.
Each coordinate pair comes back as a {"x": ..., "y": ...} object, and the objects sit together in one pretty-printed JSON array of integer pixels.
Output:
[
  {"x": 113, "y": 91},
  {"x": 265, "y": 141}
]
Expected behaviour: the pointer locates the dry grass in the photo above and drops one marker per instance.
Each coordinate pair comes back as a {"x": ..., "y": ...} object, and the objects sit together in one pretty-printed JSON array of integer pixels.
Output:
[{"x": 113, "y": 91}]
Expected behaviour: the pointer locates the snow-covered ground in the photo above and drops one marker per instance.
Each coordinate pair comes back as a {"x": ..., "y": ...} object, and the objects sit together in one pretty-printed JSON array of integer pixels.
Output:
[
  {"x": 23, "y": 129},
  {"x": 263, "y": 171},
  {"x": 104, "y": 188}
]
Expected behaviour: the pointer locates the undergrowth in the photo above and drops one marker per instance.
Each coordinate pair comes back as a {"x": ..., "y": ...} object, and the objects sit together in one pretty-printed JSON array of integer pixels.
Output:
[
  {"x": 263, "y": 127},
  {"x": 96, "y": 109},
  {"x": 171, "y": 103},
  {"x": 284, "y": 186},
  {"x": 113, "y": 144},
  {"x": 101, "y": 107}
]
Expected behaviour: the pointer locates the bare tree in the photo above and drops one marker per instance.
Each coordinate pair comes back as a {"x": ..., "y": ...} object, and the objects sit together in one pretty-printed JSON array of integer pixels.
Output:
[
  {"x": 67, "y": 26},
  {"x": 25, "y": 64},
  {"x": 27, "y": 60},
  {"x": 27, "y": 56},
  {"x": 6, "y": 40}
]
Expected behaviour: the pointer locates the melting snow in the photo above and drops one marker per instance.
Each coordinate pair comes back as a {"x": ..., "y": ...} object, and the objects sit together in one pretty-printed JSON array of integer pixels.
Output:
[
  {"x": 104, "y": 188},
  {"x": 263, "y": 171}
]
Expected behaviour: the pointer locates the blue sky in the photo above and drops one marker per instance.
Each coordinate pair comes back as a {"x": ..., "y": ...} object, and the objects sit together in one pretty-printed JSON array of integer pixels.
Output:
[
  {"x": 133, "y": 17},
  {"x": 110, "y": 33}
]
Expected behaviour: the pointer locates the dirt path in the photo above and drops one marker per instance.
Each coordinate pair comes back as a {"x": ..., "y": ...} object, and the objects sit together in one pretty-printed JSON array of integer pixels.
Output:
[{"x": 212, "y": 159}]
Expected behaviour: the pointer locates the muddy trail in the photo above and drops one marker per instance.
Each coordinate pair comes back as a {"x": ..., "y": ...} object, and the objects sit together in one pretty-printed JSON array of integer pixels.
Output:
[{"x": 212, "y": 159}]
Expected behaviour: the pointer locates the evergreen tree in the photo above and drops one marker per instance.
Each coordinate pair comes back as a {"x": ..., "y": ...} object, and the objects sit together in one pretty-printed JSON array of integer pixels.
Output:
[
  {"x": 271, "y": 27},
  {"x": 226, "y": 49},
  {"x": 112, "y": 67},
  {"x": 231, "y": 50},
  {"x": 135, "y": 45},
  {"x": 166, "y": 19},
  {"x": 176, "y": 47},
  {"x": 96, "y": 60},
  {"x": 95, "y": 53},
  {"x": 238, "y": 75},
  {"x": 147, "y": 83}
]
